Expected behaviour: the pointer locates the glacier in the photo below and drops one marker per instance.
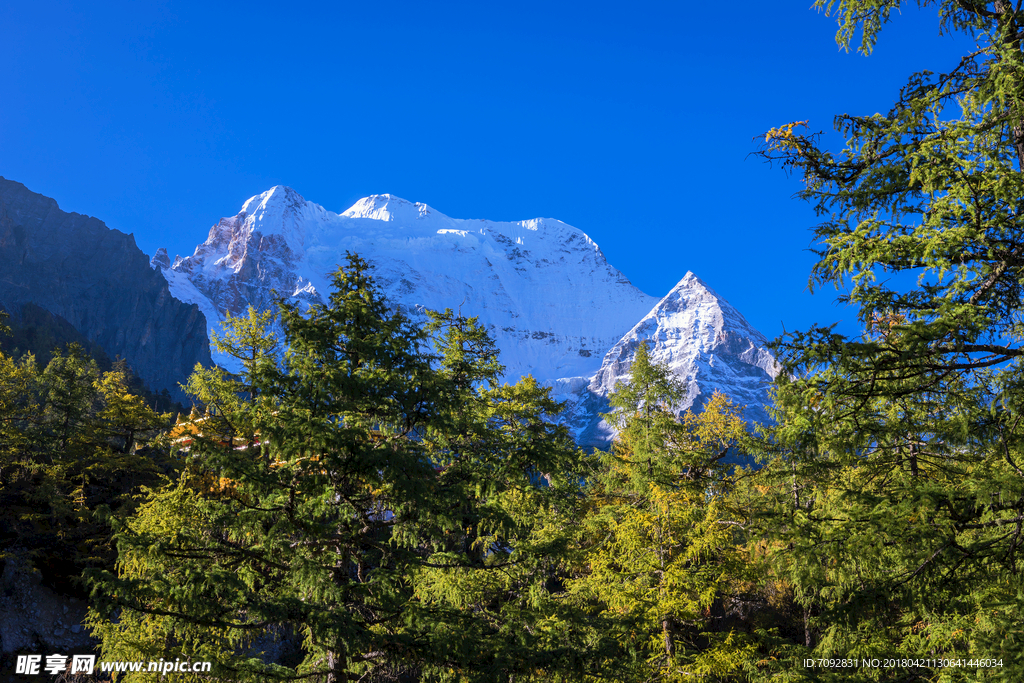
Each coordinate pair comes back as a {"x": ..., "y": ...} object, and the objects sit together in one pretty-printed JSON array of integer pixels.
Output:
[{"x": 554, "y": 305}]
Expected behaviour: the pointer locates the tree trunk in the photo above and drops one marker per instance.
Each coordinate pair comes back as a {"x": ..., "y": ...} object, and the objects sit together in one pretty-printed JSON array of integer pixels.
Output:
[
  {"x": 337, "y": 664},
  {"x": 1007, "y": 16},
  {"x": 808, "y": 640}
]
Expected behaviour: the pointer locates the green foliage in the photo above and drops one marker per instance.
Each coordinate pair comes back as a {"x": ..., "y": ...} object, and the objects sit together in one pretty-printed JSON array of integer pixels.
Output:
[
  {"x": 38, "y": 332},
  {"x": 494, "y": 581},
  {"x": 896, "y": 477},
  {"x": 73, "y": 442},
  {"x": 663, "y": 539},
  {"x": 385, "y": 515},
  {"x": 644, "y": 406}
]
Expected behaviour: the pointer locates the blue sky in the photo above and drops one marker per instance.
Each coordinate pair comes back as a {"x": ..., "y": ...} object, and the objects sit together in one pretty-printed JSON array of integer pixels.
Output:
[{"x": 632, "y": 122}]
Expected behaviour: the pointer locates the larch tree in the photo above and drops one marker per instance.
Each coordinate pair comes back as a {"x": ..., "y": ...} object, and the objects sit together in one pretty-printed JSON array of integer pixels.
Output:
[
  {"x": 899, "y": 463},
  {"x": 661, "y": 537}
]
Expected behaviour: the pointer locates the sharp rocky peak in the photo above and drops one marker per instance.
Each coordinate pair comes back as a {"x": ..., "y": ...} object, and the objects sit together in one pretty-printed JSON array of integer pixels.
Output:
[
  {"x": 693, "y": 296},
  {"x": 160, "y": 259},
  {"x": 275, "y": 210},
  {"x": 278, "y": 211},
  {"x": 706, "y": 343},
  {"x": 277, "y": 196},
  {"x": 710, "y": 324}
]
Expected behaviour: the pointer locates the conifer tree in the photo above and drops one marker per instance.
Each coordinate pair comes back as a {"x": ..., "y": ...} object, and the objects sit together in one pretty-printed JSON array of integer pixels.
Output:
[
  {"x": 663, "y": 548},
  {"x": 495, "y": 583},
  {"x": 74, "y": 442},
  {"x": 899, "y": 480},
  {"x": 335, "y": 496}
]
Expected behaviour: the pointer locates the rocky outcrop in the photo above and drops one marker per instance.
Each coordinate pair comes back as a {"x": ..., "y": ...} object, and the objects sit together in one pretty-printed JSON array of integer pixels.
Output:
[
  {"x": 34, "y": 618},
  {"x": 706, "y": 344},
  {"x": 100, "y": 282}
]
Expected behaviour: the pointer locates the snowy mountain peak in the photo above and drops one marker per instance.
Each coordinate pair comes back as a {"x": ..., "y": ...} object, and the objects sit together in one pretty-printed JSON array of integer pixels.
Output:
[
  {"x": 543, "y": 288},
  {"x": 691, "y": 283},
  {"x": 281, "y": 212},
  {"x": 690, "y": 280},
  {"x": 388, "y": 207},
  {"x": 706, "y": 343},
  {"x": 554, "y": 305},
  {"x": 695, "y": 314},
  {"x": 692, "y": 304},
  {"x": 274, "y": 200}
]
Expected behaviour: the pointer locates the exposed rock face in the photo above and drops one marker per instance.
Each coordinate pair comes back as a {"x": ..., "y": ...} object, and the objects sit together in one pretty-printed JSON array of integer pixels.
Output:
[
  {"x": 702, "y": 339},
  {"x": 555, "y": 306},
  {"x": 37, "y": 330},
  {"x": 100, "y": 282}
]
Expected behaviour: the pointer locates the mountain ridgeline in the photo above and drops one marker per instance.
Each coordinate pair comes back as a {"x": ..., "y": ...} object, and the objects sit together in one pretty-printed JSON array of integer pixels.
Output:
[
  {"x": 543, "y": 289},
  {"x": 96, "y": 281}
]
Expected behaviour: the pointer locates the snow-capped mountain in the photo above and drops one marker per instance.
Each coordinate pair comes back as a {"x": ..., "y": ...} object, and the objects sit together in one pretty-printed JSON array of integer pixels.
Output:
[
  {"x": 556, "y": 308},
  {"x": 706, "y": 343}
]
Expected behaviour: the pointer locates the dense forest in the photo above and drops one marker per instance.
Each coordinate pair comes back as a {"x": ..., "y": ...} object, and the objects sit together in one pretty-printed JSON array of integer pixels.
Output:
[{"x": 366, "y": 500}]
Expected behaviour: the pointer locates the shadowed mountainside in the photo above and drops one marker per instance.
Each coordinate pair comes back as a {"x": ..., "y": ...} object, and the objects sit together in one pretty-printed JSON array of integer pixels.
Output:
[{"x": 100, "y": 282}]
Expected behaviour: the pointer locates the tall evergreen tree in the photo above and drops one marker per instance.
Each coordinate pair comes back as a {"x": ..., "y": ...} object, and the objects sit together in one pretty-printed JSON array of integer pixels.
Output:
[
  {"x": 662, "y": 541},
  {"x": 334, "y": 497},
  {"x": 900, "y": 487}
]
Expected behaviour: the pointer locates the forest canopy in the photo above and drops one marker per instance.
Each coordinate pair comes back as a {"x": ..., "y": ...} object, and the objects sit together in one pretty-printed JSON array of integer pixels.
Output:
[{"x": 368, "y": 500}]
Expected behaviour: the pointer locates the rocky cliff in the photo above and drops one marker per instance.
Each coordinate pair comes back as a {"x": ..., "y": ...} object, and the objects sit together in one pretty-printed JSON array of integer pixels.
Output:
[{"x": 100, "y": 282}]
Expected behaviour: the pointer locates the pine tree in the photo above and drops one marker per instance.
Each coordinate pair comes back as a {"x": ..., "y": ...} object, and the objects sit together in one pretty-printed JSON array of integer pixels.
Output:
[
  {"x": 899, "y": 481},
  {"x": 335, "y": 496}
]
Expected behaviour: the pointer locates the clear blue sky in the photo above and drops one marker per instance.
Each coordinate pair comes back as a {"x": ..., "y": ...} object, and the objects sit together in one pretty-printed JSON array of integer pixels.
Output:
[{"x": 633, "y": 122}]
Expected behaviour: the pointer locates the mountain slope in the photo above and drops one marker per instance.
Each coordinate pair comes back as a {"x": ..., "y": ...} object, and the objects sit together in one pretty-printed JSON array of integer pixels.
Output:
[
  {"x": 543, "y": 288},
  {"x": 706, "y": 343},
  {"x": 556, "y": 308},
  {"x": 99, "y": 281}
]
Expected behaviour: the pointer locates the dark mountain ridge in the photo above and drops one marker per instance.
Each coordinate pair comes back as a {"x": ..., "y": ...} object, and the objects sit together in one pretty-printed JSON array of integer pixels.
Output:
[{"x": 98, "y": 281}]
